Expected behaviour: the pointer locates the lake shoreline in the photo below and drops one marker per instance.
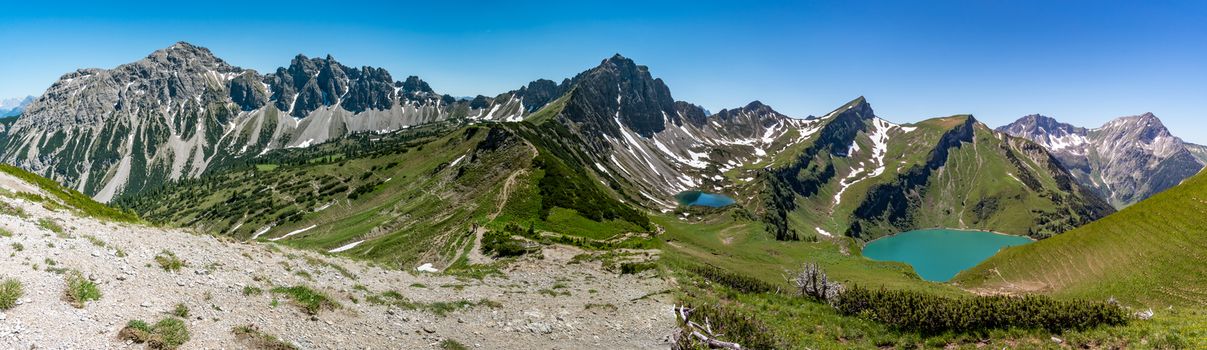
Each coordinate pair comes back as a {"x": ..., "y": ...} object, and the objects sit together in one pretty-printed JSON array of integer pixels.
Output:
[
  {"x": 938, "y": 254},
  {"x": 952, "y": 229}
]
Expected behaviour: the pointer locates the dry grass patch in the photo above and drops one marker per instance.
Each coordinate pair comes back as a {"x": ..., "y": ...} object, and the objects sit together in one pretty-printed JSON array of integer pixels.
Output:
[{"x": 251, "y": 336}]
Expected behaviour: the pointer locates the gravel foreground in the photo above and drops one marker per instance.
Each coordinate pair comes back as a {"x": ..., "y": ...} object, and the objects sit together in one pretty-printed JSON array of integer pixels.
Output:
[{"x": 550, "y": 303}]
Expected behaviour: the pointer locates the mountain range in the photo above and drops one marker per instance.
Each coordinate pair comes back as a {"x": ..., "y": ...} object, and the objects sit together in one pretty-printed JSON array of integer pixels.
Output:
[
  {"x": 182, "y": 112},
  {"x": 514, "y": 195},
  {"x": 13, "y": 106},
  {"x": 1126, "y": 160}
]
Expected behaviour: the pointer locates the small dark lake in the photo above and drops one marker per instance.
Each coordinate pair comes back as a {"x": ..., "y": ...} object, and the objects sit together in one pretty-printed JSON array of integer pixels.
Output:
[
  {"x": 939, "y": 254},
  {"x": 703, "y": 199}
]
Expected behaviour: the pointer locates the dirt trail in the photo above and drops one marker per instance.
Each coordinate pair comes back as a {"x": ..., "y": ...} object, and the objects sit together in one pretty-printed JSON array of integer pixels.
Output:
[{"x": 475, "y": 254}]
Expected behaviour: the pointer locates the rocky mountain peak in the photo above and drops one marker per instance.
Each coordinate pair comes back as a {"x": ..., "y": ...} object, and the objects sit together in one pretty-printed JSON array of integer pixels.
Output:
[
  {"x": 1147, "y": 121},
  {"x": 414, "y": 84},
  {"x": 1127, "y": 159},
  {"x": 859, "y": 108},
  {"x": 756, "y": 104},
  {"x": 1045, "y": 130},
  {"x": 540, "y": 92},
  {"x": 183, "y": 56},
  {"x": 619, "y": 90},
  {"x": 755, "y": 109}
]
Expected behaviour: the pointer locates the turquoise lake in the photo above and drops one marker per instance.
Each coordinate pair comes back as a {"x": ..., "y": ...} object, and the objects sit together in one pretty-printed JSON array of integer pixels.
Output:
[
  {"x": 939, "y": 254},
  {"x": 703, "y": 199}
]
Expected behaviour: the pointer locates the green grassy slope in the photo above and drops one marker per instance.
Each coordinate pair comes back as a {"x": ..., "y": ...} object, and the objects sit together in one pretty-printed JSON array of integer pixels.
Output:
[
  {"x": 1150, "y": 254},
  {"x": 69, "y": 197},
  {"x": 942, "y": 172},
  {"x": 407, "y": 197}
]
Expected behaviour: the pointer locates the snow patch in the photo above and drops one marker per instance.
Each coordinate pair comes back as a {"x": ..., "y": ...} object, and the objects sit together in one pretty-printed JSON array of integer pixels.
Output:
[
  {"x": 346, "y": 246},
  {"x": 458, "y": 160},
  {"x": 260, "y": 232},
  {"x": 304, "y": 144},
  {"x": 294, "y": 232},
  {"x": 426, "y": 267}
]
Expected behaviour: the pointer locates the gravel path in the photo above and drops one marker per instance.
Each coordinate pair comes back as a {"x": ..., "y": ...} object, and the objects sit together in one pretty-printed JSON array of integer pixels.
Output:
[{"x": 601, "y": 310}]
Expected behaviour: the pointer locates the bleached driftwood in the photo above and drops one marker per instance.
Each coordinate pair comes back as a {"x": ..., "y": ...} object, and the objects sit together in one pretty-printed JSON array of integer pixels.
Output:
[{"x": 704, "y": 332}]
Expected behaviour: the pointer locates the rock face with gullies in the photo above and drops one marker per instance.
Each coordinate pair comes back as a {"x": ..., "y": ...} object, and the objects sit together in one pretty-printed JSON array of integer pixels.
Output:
[
  {"x": 624, "y": 124},
  {"x": 181, "y": 111},
  {"x": 619, "y": 89},
  {"x": 1127, "y": 159},
  {"x": 96, "y": 129}
]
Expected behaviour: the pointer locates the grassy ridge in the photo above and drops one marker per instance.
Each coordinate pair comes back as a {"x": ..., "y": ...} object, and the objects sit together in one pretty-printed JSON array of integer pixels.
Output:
[
  {"x": 70, "y": 197},
  {"x": 1149, "y": 255}
]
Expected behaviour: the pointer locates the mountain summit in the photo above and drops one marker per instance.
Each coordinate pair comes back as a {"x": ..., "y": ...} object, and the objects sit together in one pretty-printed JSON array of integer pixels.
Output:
[
  {"x": 1127, "y": 159},
  {"x": 181, "y": 111}
]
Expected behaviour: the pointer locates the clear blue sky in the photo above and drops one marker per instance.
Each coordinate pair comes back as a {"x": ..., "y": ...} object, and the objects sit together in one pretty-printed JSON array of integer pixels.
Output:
[{"x": 1083, "y": 62}]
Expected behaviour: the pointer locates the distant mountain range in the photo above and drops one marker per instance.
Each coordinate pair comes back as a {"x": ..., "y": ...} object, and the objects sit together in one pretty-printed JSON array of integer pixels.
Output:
[
  {"x": 1127, "y": 160},
  {"x": 182, "y": 113},
  {"x": 13, "y": 106}
]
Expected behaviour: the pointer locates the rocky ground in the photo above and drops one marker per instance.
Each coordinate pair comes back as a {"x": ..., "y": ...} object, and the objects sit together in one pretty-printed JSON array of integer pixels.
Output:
[{"x": 549, "y": 303}]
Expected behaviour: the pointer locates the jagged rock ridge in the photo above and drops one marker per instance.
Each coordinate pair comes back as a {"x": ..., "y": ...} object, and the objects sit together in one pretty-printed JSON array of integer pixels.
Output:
[
  {"x": 1128, "y": 159},
  {"x": 181, "y": 110}
]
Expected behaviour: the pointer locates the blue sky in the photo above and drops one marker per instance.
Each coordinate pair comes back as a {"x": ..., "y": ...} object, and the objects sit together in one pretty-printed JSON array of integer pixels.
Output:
[{"x": 1082, "y": 62}]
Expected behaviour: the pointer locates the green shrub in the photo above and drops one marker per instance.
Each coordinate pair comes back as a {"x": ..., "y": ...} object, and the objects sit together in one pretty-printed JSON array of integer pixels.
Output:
[
  {"x": 308, "y": 299},
  {"x": 449, "y": 344},
  {"x": 741, "y": 283},
  {"x": 52, "y": 226},
  {"x": 931, "y": 314},
  {"x": 181, "y": 311},
  {"x": 168, "y": 333},
  {"x": 80, "y": 290},
  {"x": 168, "y": 261},
  {"x": 71, "y": 197},
  {"x": 9, "y": 209},
  {"x": 250, "y": 290},
  {"x": 500, "y": 244},
  {"x": 737, "y": 326},
  {"x": 10, "y": 290},
  {"x": 633, "y": 268}
]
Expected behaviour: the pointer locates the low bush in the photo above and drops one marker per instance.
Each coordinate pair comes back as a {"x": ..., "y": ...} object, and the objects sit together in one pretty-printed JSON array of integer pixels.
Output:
[
  {"x": 168, "y": 261},
  {"x": 181, "y": 311},
  {"x": 632, "y": 268},
  {"x": 741, "y": 283},
  {"x": 931, "y": 314},
  {"x": 308, "y": 299},
  {"x": 500, "y": 244}
]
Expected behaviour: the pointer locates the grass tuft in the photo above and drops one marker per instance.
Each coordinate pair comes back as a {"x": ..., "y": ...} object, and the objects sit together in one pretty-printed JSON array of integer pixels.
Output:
[
  {"x": 80, "y": 290},
  {"x": 168, "y": 261},
  {"x": 181, "y": 311},
  {"x": 168, "y": 333},
  {"x": 254, "y": 338},
  {"x": 10, "y": 291},
  {"x": 308, "y": 299}
]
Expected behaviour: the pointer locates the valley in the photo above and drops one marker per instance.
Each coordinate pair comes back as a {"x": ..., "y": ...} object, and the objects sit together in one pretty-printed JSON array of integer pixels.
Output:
[{"x": 598, "y": 212}]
